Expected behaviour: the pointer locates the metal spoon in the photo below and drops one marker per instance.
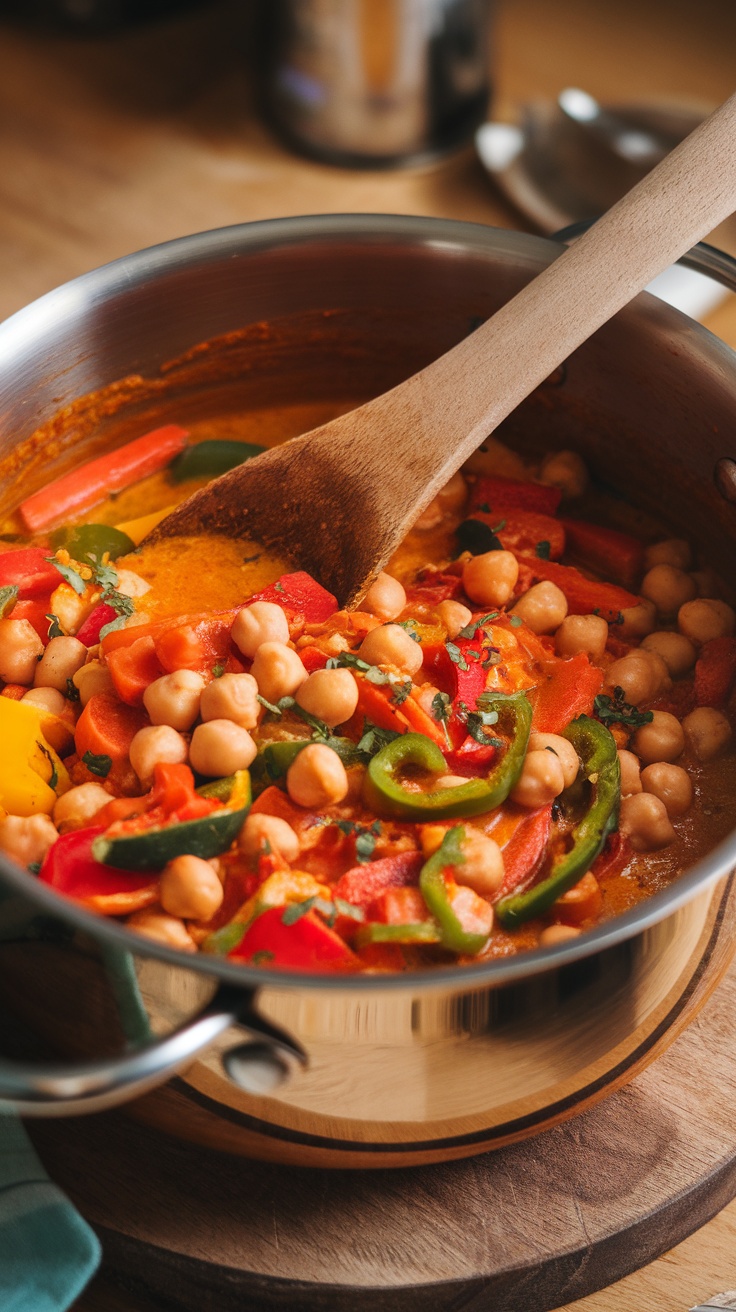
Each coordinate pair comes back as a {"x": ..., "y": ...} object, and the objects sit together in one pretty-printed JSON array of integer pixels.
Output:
[
  {"x": 340, "y": 499},
  {"x": 635, "y": 142}
]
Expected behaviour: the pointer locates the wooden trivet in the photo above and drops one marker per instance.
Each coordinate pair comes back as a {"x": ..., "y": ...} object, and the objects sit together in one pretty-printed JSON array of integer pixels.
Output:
[{"x": 532, "y": 1225}]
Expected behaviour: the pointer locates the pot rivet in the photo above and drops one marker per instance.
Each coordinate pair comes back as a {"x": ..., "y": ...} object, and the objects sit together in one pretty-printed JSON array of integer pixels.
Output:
[{"x": 724, "y": 474}]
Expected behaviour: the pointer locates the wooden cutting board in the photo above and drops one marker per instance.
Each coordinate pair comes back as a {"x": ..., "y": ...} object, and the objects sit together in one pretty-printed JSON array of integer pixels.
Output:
[{"x": 538, "y": 1223}]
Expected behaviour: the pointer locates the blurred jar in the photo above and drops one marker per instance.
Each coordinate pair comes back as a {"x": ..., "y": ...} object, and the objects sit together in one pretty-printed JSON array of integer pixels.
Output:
[{"x": 376, "y": 83}]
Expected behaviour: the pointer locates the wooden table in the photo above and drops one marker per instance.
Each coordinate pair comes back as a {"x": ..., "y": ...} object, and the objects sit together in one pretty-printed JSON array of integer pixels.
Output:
[{"x": 108, "y": 145}]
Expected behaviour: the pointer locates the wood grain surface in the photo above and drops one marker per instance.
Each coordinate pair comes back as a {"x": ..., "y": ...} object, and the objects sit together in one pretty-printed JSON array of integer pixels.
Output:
[{"x": 112, "y": 144}]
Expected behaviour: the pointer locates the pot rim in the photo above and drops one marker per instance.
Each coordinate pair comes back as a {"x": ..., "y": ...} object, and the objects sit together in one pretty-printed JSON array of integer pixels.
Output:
[{"x": 238, "y": 240}]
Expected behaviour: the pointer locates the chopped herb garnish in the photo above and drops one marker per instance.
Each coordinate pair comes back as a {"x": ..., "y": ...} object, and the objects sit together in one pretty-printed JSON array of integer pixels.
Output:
[
  {"x": 53, "y": 781},
  {"x": 33, "y": 867},
  {"x": 492, "y": 656},
  {"x": 349, "y": 660},
  {"x": 262, "y": 957},
  {"x": 411, "y": 628},
  {"x": 542, "y": 550},
  {"x": 365, "y": 837},
  {"x": 295, "y": 910},
  {"x": 100, "y": 765},
  {"x": 55, "y": 629},
  {"x": 8, "y": 598},
  {"x": 270, "y": 706},
  {"x": 441, "y": 712},
  {"x": 117, "y": 623},
  {"x": 477, "y": 538},
  {"x": 616, "y": 710},
  {"x": 248, "y": 560},
  {"x": 373, "y": 739},
  {"x": 484, "y": 508},
  {"x": 278, "y": 587},
  {"x": 470, "y": 630},
  {"x": 456, "y": 656},
  {"x": 344, "y": 908},
  {"x": 69, "y": 575},
  {"x": 218, "y": 670},
  {"x": 401, "y": 692},
  {"x": 515, "y": 621},
  {"x": 72, "y": 691}
]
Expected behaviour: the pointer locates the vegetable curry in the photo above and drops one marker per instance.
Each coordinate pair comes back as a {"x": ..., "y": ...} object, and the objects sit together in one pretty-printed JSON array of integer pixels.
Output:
[{"x": 523, "y": 728}]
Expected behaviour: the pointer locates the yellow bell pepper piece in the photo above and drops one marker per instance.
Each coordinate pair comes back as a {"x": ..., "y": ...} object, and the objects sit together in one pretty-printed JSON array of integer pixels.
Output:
[
  {"x": 32, "y": 776},
  {"x": 138, "y": 528}
]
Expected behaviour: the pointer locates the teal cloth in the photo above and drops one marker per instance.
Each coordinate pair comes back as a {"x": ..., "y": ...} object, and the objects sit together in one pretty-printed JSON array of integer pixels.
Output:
[{"x": 47, "y": 1252}]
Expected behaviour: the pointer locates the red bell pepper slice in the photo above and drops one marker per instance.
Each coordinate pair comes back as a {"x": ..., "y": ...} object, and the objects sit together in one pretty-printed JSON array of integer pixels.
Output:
[
  {"x": 525, "y": 850},
  {"x": 89, "y": 631},
  {"x": 502, "y": 494},
  {"x": 715, "y": 672},
  {"x": 361, "y": 885},
  {"x": 29, "y": 571},
  {"x": 614, "y": 858},
  {"x": 526, "y": 531},
  {"x": 70, "y": 868},
  {"x": 584, "y": 596},
  {"x": 299, "y": 594},
  {"x": 567, "y": 691},
  {"x": 306, "y": 944},
  {"x": 606, "y": 551},
  {"x": 217, "y": 620}
]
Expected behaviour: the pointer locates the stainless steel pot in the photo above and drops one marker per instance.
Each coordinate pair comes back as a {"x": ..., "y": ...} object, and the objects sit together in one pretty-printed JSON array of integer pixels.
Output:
[{"x": 358, "y": 1071}]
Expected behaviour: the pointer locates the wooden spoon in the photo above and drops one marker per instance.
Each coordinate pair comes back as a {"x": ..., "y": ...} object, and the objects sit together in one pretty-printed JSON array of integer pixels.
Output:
[{"x": 339, "y": 500}]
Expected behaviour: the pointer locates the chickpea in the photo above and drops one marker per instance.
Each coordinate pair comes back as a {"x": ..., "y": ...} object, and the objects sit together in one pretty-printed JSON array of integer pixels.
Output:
[
  {"x": 20, "y": 650},
  {"x": 277, "y": 670},
  {"x": 676, "y": 651},
  {"x": 46, "y": 699},
  {"x": 263, "y": 621},
  {"x": 174, "y": 699},
  {"x": 493, "y": 457},
  {"x": 454, "y": 616},
  {"x": 671, "y": 784},
  {"x": 669, "y": 588},
  {"x": 431, "y": 517},
  {"x": 707, "y": 732},
  {"x": 565, "y": 470},
  {"x": 90, "y": 679},
  {"x": 543, "y": 607},
  {"x": 220, "y": 747},
  {"x": 162, "y": 928},
  {"x": 673, "y": 551},
  {"x": 557, "y": 934},
  {"x": 190, "y": 888},
  {"x": 261, "y": 832},
  {"x": 639, "y": 677},
  {"x": 154, "y": 743},
  {"x": 563, "y": 750},
  {"x": 702, "y": 619},
  {"x": 131, "y": 584},
  {"x": 482, "y": 869},
  {"x": 587, "y": 633},
  {"x": 490, "y": 578},
  {"x": 331, "y": 695},
  {"x": 662, "y": 739},
  {"x": 630, "y": 772},
  {"x": 542, "y": 779},
  {"x": 385, "y": 597},
  {"x": 638, "y": 621},
  {"x": 317, "y": 777},
  {"x": 75, "y": 808},
  {"x": 60, "y": 662},
  {"x": 391, "y": 645},
  {"x": 232, "y": 697},
  {"x": 644, "y": 819},
  {"x": 452, "y": 496},
  {"x": 27, "y": 838}
]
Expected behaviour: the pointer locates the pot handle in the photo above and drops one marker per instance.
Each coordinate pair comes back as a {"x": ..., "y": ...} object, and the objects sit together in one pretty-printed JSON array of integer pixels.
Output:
[{"x": 63, "y": 1089}]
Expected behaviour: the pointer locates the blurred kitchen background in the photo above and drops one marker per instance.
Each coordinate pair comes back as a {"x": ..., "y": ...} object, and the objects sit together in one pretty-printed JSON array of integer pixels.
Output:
[{"x": 127, "y": 122}]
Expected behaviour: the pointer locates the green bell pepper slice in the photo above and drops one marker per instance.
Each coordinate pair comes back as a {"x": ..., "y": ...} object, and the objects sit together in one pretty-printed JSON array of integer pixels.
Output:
[
  {"x": 596, "y": 748},
  {"x": 384, "y": 794},
  {"x": 151, "y": 849},
  {"x": 84, "y": 540},
  {"x": 211, "y": 458},
  {"x": 434, "y": 891},
  {"x": 419, "y": 931},
  {"x": 273, "y": 761}
]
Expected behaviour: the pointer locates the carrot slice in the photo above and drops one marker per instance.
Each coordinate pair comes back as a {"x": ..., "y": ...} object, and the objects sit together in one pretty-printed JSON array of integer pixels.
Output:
[
  {"x": 133, "y": 668},
  {"x": 568, "y": 691},
  {"x": 79, "y": 490},
  {"x": 106, "y": 727}
]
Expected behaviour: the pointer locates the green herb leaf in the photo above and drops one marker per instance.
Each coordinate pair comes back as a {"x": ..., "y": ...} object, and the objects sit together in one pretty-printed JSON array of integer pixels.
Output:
[
  {"x": 470, "y": 630},
  {"x": 218, "y": 670},
  {"x": 262, "y": 957},
  {"x": 373, "y": 739},
  {"x": 515, "y": 621},
  {"x": 542, "y": 550},
  {"x": 271, "y": 707},
  {"x": 72, "y": 691},
  {"x": 54, "y": 779},
  {"x": 55, "y": 629},
  {"x": 344, "y": 908},
  {"x": 477, "y": 538},
  {"x": 100, "y": 765},
  {"x": 118, "y": 623},
  {"x": 411, "y": 628},
  {"x": 69, "y": 575},
  {"x": 616, "y": 710},
  {"x": 401, "y": 692},
  {"x": 8, "y": 598},
  {"x": 365, "y": 838},
  {"x": 349, "y": 660},
  {"x": 456, "y": 656},
  {"x": 295, "y": 910},
  {"x": 33, "y": 867},
  {"x": 279, "y": 587}
]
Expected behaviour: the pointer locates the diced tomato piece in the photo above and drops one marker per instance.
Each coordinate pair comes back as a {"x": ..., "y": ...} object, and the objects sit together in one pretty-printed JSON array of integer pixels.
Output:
[
  {"x": 715, "y": 672},
  {"x": 195, "y": 646},
  {"x": 307, "y": 944},
  {"x": 526, "y": 531},
  {"x": 566, "y": 692},
  {"x": 606, "y": 551},
  {"x": 299, "y": 594},
  {"x": 584, "y": 596},
  {"x": 133, "y": 668},
  {"x": 364, "y": 883},
  {"x": 29, "y": 571},
  {"x": 502, "y": 494}
]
